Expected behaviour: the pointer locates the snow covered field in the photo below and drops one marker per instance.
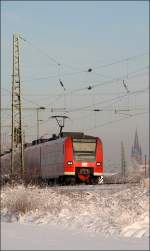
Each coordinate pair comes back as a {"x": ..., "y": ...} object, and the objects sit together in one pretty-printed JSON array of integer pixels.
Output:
[
  {"x": 48, "y": 237},
  {"x": 110, "y": 216}
]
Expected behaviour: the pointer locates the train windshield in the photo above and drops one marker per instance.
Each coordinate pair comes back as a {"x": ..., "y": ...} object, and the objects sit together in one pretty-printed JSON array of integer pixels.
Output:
[{"x": 84, "y": 149}]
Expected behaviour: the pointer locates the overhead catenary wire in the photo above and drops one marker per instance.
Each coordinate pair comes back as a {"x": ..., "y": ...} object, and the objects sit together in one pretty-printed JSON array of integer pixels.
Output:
[
  {"x": 52, "y": 59},
  {"x": 104, "y": 109},
  {"x": 112, "y": 100},
  {"x": 125, "y": 116},
  {"x": 109, "y": 100},
  {"x": 90, "y": 69},
  {"x": 122, "y": 60},
  {"x": 26, "y": 99},
  {"x": 58, "y": 95},
  {"x": 68, "y": 74},
  {"x": 90, "y": 114},
  {"x": 58, "y": 63},
  {"x": 91, "y": 86},
  {"x": 115, "y": 121},
  {"x": 112, "y": 81},
  {"x": 109, "y": 108}
]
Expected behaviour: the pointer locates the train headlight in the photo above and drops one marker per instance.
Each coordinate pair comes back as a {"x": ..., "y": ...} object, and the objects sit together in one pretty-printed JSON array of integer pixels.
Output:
[
  {"x": 69, "y": 162},
  {"x": 98, "y": 163}
]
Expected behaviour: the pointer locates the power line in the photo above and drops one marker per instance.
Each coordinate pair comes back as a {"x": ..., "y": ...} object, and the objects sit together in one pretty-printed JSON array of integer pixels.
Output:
[
  {"x": 75, "y": 120},
  {"x": 42, "y": 51},
  {"x": 26, "y": 99},
  {"x": 115, "y": 121},
  {"x": 53, "y": 76},
  {"x": 58, "y": 64},
  {"x": 63, "y": 74},
  {"x": 122, "y": 60},
  {"x": 111, "y": 81},
  {"x": 52, "y": 59},
  {"x": 74, "y": 94},
  {"x": 109, "y": 100},
  {"x": 89, "y": 106}
]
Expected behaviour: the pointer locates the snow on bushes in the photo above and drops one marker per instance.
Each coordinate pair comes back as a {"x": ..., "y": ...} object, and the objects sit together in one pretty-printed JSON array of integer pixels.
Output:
[{"x": 110, "y": 211}]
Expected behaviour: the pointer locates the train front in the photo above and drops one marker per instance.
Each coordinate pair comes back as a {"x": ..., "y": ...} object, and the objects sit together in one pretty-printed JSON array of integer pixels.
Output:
[{"x": 84, "y": 159}]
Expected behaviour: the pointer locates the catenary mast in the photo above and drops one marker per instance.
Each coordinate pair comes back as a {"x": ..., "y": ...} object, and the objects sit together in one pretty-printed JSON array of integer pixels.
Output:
[{"x": 17, "y": 163}]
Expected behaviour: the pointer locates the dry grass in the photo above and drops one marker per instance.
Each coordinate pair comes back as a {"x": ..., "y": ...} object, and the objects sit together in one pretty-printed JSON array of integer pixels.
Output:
[
  {"x": 119, "y": 179},
  {"x": 20, "y": 199}
]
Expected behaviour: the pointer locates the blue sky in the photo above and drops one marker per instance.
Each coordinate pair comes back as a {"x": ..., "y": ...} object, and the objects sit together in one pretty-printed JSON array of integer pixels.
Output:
[
  {"x": 113, "y": 24},
  {"x": 79, "y": 35}
]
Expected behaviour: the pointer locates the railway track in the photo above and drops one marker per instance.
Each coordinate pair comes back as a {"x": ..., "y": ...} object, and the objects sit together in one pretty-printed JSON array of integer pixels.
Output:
[{"x": 95, "y": 188}]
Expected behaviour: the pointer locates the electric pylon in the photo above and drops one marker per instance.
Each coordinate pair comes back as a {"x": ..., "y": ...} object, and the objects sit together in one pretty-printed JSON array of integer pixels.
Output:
[{"x": 17, "y": 160}]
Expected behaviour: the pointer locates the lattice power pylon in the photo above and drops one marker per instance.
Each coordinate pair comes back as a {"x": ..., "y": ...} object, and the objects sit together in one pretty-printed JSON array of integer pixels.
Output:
[{"x": 17, "y": 155}]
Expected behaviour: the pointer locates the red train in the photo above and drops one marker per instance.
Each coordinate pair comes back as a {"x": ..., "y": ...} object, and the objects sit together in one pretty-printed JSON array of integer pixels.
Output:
[{"x": 72, "y": 157}]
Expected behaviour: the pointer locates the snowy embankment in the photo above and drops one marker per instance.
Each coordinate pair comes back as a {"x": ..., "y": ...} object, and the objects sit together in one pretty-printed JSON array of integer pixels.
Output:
[{"x": 123, "y": 213}]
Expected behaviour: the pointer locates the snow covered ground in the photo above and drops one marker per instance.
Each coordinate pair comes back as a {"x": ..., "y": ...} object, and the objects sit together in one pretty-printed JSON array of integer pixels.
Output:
[
  {"x": 48, "y": 237},
  {"x": 110, "y": 216}
]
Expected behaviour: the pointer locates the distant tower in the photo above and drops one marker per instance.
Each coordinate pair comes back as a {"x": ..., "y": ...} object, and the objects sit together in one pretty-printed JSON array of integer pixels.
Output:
[
  {"x": 136, "y": 152},
  {"x": 123, "y": 161}
]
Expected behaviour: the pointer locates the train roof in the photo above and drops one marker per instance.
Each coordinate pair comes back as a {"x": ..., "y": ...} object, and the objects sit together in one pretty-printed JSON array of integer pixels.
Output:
[
  {"x": 62, "y": 135},
  {"x": 76, "y": 135}
]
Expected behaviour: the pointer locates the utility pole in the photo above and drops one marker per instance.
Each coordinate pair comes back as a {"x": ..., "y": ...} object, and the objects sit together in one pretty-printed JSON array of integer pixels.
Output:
[
  {"x": 123, "y": 162},
  {"x": 145, "y": 165},
  {"x": 17, "y": 134},
  {"x": 38, "y": 123},
  {"x": 38, "y": 120}
]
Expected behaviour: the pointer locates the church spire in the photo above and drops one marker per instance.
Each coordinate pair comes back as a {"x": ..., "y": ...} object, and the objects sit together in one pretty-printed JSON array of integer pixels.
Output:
[
  {"x": 136, "y": 145},
  {"x": 136, "y": 151}
]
